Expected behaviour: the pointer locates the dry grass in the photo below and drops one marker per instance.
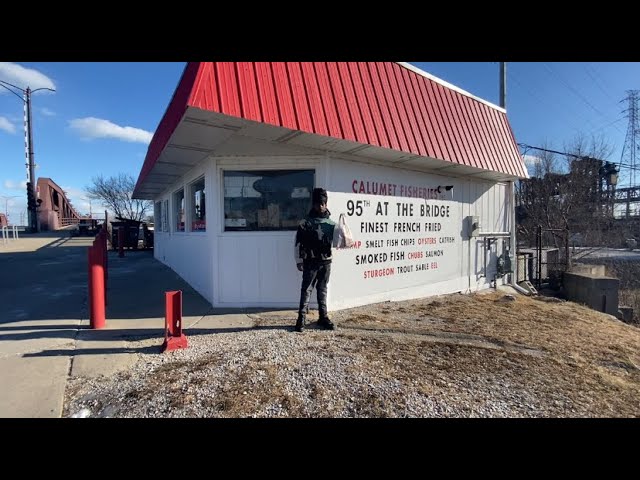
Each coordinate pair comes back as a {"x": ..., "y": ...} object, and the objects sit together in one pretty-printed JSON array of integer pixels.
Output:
[
  {"x": 631, "y": 297},
  {"x": 583, "y": 350}
]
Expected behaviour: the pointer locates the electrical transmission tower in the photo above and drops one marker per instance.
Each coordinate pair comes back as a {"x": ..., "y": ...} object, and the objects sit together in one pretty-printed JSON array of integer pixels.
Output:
[{"x": 629, "y": 151}]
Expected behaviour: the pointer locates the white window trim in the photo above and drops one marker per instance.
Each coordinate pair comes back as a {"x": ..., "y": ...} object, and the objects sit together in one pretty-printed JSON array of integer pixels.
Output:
[
  {"x": 157, "y": 220},
  {"x": 190, "y": 207},
  {"x": 174, "y": 211},
  {"x": 166, "y": 208},
  {"x": 221, "y": 168}
]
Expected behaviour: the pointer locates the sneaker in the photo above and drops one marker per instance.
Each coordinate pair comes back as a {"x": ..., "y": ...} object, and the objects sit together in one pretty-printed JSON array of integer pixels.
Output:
[{"x": 326, "y": 324}]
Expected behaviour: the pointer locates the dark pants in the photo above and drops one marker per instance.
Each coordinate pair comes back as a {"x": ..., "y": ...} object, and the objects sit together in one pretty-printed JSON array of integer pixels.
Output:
[{"x": 320, "y": 273}]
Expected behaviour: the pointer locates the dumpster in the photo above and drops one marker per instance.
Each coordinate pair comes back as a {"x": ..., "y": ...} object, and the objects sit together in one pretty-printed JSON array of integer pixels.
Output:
[{"x": 131, "y": 232}]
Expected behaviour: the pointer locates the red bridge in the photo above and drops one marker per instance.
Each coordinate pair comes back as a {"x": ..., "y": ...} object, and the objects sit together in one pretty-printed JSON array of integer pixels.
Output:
[{"x": 55, "y": 211}]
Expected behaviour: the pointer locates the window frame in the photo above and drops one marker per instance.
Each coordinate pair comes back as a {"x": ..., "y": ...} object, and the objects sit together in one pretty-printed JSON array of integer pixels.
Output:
[
  {"x": 174, "y": 212},
  {"x": 165, "y": 215},
  {"x": 256, "y": 168},
  {"x": 190, "y": 204},
  {"x": 157, "y": 214}
]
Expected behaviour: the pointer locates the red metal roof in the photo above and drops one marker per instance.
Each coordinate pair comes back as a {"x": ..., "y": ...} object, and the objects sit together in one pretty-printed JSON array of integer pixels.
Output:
[{"x": 384, "y": 104}]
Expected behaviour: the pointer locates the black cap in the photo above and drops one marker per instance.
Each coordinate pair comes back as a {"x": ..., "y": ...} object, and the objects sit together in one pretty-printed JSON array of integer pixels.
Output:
[{"x": 319, "y": 195}]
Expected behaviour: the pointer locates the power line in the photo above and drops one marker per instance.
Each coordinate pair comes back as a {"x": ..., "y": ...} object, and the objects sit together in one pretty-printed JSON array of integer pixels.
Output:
[
  {"x": 575, "y": 92},
  {"x": 598, "y": 74},
  {"x": 541, "y": 102},
  {"x": 580, "y": 157},
  {"x": 568, "y": 85},
  {"x": 597, "y": 83},
  {"x": 607, "y": 125}
]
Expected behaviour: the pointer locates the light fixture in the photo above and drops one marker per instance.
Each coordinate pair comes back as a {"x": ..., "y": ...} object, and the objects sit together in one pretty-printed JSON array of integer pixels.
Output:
[{"x": 446, "y": 187}]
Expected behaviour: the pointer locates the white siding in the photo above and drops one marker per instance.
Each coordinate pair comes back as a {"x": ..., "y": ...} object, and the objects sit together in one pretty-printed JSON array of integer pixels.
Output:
[
  {"x": 238, "y": 269},
  {"x": 257, "y": 269},
  {"x": 488, "y": 200},
  {"x": 189, "y": 254}
]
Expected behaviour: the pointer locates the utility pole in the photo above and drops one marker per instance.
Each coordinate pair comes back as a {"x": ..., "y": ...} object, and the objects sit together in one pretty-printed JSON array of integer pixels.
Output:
[
  {"x": 503, "y": 85},
  {"x": 31, "y": 184},
  {"x": 32, "y": 203}
]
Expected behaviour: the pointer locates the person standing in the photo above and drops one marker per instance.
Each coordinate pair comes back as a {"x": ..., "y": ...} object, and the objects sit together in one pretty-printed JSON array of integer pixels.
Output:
[{"x": 315, "y": 237}]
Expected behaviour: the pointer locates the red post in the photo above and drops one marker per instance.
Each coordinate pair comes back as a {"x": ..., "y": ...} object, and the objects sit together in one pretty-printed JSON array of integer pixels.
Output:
[
  {"x": 89, "y": 284},
  {"x": 102, "y": 241},
  {"x": 96, "y": 289},
  {"x": 120, "y": 241},
  {"x": 173, "y": 336}
]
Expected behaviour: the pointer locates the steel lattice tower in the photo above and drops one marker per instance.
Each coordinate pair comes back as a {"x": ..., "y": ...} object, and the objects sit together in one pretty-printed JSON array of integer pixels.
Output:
[{"x": 629, "y": 151}]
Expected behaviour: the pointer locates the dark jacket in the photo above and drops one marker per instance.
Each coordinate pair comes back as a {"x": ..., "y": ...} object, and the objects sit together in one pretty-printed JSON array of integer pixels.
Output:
[{"x": 316, "y": 234}]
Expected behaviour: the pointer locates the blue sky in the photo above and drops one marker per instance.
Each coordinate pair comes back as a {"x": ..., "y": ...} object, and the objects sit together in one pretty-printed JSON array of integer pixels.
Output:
[{"x": 102, "y": 115}]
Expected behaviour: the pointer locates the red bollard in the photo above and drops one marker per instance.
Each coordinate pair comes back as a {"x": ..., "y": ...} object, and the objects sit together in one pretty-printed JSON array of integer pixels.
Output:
[
  {"x": 121, "y": 242},
  {"x": 102, "y": 240},
  {"x": 105, "y": 234},
  {"x": 96, "y": 289},
  {"x": 173, "y": 336},
  {"x": 89, "y": 283}
]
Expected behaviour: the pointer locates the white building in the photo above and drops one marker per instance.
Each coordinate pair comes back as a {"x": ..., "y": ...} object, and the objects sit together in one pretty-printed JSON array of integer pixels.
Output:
[{"x": 408, "y": 158}]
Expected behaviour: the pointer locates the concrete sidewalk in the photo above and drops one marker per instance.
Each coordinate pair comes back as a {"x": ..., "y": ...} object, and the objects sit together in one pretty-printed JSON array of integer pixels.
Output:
[{"x": 44, "y": 328}]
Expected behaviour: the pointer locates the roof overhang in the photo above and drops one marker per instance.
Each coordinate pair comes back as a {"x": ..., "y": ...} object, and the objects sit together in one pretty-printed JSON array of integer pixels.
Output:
[{"x": 202, "y": 134}]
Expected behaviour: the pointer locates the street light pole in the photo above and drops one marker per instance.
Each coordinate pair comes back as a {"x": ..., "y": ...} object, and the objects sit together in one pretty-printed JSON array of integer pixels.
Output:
[
  {"x": 6, "y": 203},
  {"x": 32, "y": 205},
  {"x": 88, "y": 200}
]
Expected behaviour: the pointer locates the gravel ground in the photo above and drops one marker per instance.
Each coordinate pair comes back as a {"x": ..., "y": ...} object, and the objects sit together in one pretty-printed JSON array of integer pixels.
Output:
[{"x": 408, "y": 359}]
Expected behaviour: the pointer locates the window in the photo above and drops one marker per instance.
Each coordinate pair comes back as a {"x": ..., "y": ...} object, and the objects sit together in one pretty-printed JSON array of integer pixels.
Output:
[
  {"x": 178, "y": 206},
  {"x": 157, "y": 214},
  {"x": 198, "y": 218},
  {"x": 165, "y": 216},
  {"x": 266, "y": 200}
]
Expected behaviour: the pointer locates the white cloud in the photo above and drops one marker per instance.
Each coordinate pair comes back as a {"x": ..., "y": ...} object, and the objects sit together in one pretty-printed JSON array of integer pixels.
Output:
[
  {"x": 11, "y": 185},
  {"x": 92, "y": 127},
  {"x": 24, "y": 77},
  {"x": 6, "y": 125},
  {"x": 80, "y": 200},
  {"x": 47, "y": 112},
  {"x": 531, "y": 159}
]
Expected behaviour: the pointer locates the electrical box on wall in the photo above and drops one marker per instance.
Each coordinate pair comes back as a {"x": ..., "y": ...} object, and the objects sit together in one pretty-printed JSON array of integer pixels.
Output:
[{"x": 474, "y": 225}]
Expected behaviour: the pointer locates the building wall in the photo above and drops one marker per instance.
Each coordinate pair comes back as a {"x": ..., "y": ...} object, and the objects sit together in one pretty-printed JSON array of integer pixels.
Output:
[
  {"x": 456, "y": 265},
  {"x": 258, "y": 268},
  {"x": 189, "y": 254},
  {"x": 247, "y": 269}
]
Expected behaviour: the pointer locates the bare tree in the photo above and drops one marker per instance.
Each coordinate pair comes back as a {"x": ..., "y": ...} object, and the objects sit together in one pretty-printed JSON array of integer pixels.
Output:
[
  {"x": 565, "y": 193},
  {"x": 584, "y": 210},
  {"x": 538, "y": 196},
  {"x": 115, "y": 194}
]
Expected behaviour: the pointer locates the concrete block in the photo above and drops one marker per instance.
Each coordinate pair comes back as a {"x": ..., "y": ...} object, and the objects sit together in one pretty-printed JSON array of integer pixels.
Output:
[
  {"x": 597, "y": 292},
  {"x": 625, "y": 314},
  {"x": 598, "y": 270}
]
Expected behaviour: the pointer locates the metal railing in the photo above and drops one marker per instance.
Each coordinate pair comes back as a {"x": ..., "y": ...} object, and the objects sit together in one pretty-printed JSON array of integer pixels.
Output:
[
  {"x": 5, "y": 233},
  {"x": 66, "y": 221}
]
